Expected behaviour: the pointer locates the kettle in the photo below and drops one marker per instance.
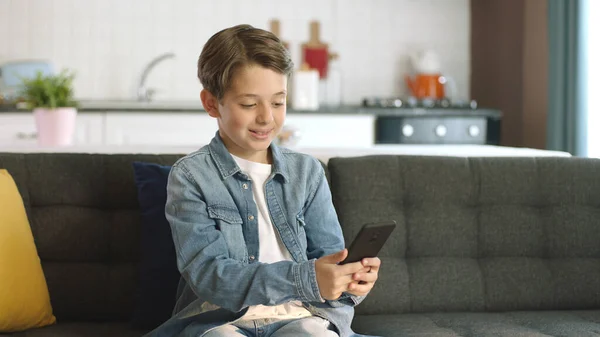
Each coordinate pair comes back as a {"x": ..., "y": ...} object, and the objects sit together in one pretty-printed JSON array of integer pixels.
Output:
[{"x": 428, "y": 81}]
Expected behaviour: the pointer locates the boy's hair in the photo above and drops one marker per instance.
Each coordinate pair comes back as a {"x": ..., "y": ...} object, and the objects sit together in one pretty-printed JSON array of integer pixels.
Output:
[{"x": 237, "y": 46}]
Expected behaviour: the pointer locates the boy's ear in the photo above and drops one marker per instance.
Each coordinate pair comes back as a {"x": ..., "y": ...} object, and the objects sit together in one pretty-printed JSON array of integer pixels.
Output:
[{"x": 210, "y": 103}]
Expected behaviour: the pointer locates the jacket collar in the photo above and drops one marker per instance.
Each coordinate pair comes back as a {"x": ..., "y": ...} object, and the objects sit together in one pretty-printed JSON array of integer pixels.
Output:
[{"x": 228, "y": 167}]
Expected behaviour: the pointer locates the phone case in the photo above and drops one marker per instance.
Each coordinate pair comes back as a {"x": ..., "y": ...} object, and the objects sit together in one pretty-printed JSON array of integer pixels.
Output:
[{"x": 369, "y": 241}]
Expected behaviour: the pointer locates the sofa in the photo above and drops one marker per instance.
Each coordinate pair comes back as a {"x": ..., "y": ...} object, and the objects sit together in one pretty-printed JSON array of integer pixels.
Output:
[{"x": 483, "y": 246}]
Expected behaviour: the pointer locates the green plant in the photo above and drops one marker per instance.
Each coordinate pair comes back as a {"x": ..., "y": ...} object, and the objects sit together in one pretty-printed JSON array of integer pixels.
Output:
[{"x": 49, "y": 91}]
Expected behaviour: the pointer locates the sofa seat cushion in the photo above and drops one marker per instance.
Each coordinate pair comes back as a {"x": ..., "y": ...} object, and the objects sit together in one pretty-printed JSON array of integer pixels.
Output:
[
  {"x": 509, "y": 324},
  {"x": 83, "y": 329}
]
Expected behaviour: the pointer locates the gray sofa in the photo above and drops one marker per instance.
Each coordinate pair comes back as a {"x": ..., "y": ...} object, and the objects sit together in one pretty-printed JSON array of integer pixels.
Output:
[{"x": 484, "y": 246}]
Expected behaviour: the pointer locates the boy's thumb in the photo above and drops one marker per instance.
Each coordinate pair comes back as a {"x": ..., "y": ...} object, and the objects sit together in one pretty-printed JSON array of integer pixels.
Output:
[{"x": 338, "y": 256}]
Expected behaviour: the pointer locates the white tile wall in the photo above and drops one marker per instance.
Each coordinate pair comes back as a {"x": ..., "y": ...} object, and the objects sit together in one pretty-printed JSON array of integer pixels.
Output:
[{"x": 108, "y": 42}]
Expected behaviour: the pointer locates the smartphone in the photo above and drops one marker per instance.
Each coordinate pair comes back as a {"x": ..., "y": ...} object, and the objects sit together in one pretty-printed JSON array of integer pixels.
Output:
[{"x": 369, "y": 241}]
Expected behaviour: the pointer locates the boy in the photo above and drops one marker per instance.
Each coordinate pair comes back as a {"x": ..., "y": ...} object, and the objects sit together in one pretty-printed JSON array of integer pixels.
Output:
[{"x": 257, "y": 237}]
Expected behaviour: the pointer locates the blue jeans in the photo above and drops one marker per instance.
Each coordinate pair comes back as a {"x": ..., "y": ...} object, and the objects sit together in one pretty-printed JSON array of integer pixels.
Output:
[{"x": 308, "y": 326}]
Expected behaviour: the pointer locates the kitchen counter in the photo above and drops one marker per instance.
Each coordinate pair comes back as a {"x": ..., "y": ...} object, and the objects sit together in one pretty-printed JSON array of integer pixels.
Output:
[{"x": 130, "y": 106}]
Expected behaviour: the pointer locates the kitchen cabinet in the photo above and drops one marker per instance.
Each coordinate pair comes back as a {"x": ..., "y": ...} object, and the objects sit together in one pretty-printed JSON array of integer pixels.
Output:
[
  {"x": 89, "y": 129},
  {"x": 19, "y": 129},
  {"x": 194, "y": 129},
  {"x": 190, "y": 129},
  {"x": 168, "y": 128},
  {"x": 332, "y": 131}
]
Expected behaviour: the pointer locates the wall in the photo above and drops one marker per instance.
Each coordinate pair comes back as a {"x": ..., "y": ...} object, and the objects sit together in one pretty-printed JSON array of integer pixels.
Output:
[
  {"x": 509, "y": 51},
  {"x": 108, "y": 42},
  {"x": 535, "y": 74}
]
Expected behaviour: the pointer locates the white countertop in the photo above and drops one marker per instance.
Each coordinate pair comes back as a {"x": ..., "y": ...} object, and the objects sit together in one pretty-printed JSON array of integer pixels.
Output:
[
  {"x": 323, "y": 154},
  {"x": 140, "y": 105}
]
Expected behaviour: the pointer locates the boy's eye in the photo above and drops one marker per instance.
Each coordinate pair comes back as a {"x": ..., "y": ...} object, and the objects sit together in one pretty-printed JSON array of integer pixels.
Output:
[
  {"x": 247, "y": 106},
  {"x": 278, "y": 104}
]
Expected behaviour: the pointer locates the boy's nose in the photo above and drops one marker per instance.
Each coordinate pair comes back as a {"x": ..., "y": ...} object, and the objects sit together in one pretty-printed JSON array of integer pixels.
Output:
[{"x": 265, "y": 115}]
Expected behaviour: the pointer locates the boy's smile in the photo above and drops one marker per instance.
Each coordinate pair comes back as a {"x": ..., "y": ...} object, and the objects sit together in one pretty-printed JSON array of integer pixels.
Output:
[{"x": 252, "y": 111}]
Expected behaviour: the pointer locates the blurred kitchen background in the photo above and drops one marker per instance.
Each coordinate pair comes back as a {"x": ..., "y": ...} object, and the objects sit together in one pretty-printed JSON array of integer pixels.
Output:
[
  {"x": 108, "y": 43},
  {"x": 498, "y": 56}
]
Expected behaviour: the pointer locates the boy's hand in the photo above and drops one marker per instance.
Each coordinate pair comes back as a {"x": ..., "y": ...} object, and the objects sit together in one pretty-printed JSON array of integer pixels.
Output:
[
  {"x": 365, "y": 279},
  {"x": 334, "y": 279}
]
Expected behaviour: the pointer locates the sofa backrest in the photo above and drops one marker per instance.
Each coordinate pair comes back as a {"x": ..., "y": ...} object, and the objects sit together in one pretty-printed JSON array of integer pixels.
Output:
[
  {"x": 479, "y": 234},
  {"x": 85, "y": 219}
]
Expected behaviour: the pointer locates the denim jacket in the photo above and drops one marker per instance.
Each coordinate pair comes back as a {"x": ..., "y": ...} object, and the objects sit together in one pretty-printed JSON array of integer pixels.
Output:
[{"x": 213, "y": 219}]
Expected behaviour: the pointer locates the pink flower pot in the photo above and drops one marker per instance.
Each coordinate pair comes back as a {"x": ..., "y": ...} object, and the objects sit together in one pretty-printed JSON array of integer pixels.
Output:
[{"x": 55, "y": 127}]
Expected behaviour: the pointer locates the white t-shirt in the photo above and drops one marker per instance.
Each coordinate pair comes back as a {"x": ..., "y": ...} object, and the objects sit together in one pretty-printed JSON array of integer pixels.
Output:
[{"x": 271, "y": 247}]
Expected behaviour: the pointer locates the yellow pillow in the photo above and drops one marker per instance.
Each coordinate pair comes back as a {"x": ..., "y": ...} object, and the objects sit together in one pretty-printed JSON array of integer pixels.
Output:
[{"x": 24, "y": 298}]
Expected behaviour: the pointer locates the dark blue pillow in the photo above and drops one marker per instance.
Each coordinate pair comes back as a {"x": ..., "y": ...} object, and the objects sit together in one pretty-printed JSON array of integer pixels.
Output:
[{"x": 157, "y": 287}]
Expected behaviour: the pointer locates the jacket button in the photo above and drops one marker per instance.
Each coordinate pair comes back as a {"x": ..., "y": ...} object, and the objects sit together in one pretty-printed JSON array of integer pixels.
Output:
[
  {"x": 251, "y": 257},
  {"x": 251, "y": 217},
  {"x": 245, "y": 186}
]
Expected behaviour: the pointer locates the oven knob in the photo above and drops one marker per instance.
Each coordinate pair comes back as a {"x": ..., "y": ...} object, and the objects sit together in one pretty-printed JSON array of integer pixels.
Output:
[
  {"x": 412, "y": 101},
  {"x": 474, "y": 131},
  {"x": 441, "y": 130},
  {"x": 408, "y": 130},
  {"x": 445, "y": 102},
  {"x": 428, "y": 102}
]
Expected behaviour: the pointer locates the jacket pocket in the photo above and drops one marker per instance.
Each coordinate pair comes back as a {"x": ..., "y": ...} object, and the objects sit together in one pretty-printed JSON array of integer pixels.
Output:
[
  {"x": 225, "y": 214},
  {"x": 229, "y": 222}
]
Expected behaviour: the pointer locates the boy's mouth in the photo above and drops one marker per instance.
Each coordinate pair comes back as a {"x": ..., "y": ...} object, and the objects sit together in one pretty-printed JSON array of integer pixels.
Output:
[{"x": 260, "y": 133}]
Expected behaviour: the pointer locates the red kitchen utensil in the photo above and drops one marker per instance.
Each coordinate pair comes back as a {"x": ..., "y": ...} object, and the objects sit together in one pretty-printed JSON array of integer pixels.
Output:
[
  {"x": 275, "y": 29},
  {"x": 314, "y": 52}
]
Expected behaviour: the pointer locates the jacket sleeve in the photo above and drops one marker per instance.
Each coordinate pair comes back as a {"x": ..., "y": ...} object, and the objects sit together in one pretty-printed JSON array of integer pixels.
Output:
[
  {"x": 323, "y": 231},
  {"x": 204, "y": 262}
]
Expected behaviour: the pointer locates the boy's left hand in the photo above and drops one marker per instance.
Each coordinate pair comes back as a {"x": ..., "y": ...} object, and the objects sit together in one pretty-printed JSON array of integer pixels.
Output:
[{"x": 366, "y": 278}]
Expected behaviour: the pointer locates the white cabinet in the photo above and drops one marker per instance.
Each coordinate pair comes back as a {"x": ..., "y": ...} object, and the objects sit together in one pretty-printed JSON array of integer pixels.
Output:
[
  {"x": 19, "y": 129},
  {"x": 332, "y": 131},
  {"x": 89, "y": 129},
  {"x": 198, "y": 128},
  {"x": 164, "y": 128},
  {"x": 188, "y": 129}
]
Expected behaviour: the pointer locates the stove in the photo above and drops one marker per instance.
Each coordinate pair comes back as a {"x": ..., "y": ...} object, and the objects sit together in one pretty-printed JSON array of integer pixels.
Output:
[
  {"x": 431, "y": 121},
  {"x": 412, "y": 102}
]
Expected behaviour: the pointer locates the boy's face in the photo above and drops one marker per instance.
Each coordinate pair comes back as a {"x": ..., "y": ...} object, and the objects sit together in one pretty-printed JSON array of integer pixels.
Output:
[{"x": 252, "y": 111}]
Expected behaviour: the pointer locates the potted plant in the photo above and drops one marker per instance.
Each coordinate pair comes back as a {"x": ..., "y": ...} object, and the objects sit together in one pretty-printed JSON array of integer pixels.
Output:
[{"x": 54, "y": 108}]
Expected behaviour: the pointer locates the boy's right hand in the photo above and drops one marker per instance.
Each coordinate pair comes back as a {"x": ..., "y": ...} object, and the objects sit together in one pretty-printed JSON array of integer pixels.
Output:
[{"x": 334, "y": 279}]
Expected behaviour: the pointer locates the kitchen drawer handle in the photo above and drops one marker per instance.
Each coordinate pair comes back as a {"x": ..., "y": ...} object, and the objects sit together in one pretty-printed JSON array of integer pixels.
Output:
[{"x": 24, "y": 136}]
